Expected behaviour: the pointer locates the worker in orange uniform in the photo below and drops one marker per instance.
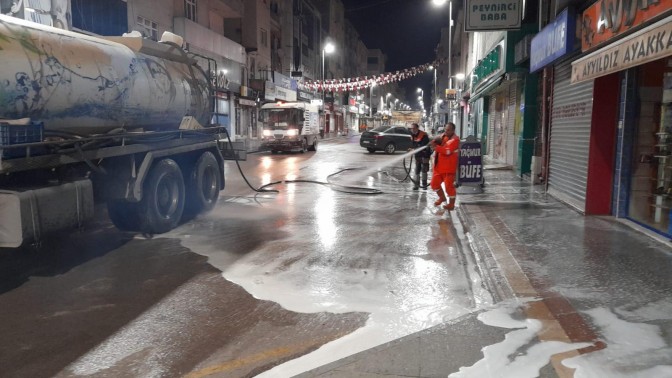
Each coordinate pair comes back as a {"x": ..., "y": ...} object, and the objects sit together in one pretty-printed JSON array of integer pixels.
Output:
[{"x": 446, "y": 152}]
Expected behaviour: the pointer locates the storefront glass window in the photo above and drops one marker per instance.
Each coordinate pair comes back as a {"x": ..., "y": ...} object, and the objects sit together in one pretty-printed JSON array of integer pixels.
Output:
[{"x": 651, "y": 180}]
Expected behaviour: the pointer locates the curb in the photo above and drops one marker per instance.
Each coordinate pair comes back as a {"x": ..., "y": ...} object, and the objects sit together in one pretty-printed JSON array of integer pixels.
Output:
[{"x": 488, "y": 268}]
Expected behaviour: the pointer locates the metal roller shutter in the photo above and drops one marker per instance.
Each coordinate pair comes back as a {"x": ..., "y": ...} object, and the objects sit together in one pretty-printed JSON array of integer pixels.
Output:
[
  {"x": 491, "y": 127},
  {"x": 570, "y": 138},
  {"x": 511, "y": 145}
]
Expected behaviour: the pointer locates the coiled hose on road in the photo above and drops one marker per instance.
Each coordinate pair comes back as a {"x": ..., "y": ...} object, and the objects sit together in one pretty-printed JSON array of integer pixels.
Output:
[{"x": 336, "y": 187}]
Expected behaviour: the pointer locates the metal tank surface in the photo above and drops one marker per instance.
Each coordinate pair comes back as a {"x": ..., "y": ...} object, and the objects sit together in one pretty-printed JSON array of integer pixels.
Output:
[{"x": 87, "y": 85}]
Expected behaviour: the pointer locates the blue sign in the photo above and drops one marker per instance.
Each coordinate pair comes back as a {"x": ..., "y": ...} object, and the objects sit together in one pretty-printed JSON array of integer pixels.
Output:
[{"x": 553, "y": 41}]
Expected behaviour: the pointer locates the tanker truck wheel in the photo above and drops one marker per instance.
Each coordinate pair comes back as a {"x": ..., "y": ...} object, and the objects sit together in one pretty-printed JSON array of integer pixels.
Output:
[
  {"x": 124, "y": 215},
  {"x": 313, "y": 147},
  {"x": 204, "y": 185},
  {"x": 162, "y": 204}
]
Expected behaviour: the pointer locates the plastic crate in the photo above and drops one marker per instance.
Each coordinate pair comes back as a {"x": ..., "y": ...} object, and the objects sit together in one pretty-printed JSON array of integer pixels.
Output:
[{"x": 19, "y": 134}]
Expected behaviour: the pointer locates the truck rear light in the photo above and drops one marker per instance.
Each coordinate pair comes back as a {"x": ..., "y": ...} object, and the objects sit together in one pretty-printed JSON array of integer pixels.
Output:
[{"x": 376, "y": 137}]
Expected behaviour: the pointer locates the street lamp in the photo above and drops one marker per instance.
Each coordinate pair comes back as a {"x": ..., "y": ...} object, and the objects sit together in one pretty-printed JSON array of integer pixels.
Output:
[{"x": 327, "y": 49}]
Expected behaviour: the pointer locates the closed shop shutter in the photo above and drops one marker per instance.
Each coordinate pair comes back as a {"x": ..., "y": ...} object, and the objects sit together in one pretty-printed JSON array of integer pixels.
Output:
[
  {"x": 570, "y": 138},
  {"x": 491, "y": 127},
  {"x": 511, "y": 143}
]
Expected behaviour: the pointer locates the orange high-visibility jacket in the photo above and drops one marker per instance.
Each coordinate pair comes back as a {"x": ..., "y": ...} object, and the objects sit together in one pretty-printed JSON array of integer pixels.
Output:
[{"x": 447, "y": 163}]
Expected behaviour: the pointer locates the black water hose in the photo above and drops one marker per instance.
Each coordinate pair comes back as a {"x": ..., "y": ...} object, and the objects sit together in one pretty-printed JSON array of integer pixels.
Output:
[
  {"x": 261, "y": 189},
  {"x": 408, "y": 173},
  {"x": 332, "y": 186}
]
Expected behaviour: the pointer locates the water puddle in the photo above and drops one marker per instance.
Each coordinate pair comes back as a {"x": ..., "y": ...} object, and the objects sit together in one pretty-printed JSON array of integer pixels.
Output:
[{"x": 520, "y": 355}]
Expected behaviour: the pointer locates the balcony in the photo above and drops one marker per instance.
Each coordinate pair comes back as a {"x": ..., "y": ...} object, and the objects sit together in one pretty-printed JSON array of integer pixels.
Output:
[
  {"x": 205, "y": 39},
  {"x": 227, "y": 8}
]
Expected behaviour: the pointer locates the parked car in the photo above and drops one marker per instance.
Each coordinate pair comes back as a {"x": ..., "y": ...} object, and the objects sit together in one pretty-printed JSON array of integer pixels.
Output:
[{"x": 386, "y": 138}]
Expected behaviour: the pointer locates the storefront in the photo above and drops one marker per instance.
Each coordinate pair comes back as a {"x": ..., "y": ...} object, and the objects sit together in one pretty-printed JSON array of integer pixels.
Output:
[
  {"x": 494, "y": 105},
  {"x": 632, "y": 79},
  {"x": 482, "y": 85}
]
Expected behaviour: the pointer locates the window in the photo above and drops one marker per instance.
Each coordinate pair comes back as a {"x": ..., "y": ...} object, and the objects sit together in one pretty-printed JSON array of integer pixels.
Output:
[
  {"x": 263, "y": 36},
  {"x": 149, "y": 28},
  {"x": 190, "y": 9}
]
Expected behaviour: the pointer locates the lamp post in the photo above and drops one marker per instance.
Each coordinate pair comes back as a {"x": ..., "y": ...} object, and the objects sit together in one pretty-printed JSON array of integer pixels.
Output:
[
  {"x": 440, "y": 3},
  {"x": 327, "y": 49},
  {"x": 373, "y": 84}
]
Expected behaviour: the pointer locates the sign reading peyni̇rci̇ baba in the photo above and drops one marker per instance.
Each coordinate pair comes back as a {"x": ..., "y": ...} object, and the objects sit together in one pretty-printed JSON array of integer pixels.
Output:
[{"x": 492, "y": 15}]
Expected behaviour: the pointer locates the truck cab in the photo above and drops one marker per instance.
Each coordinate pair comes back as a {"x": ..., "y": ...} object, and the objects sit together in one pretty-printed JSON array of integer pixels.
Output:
[{"x": 289, "y": 126}]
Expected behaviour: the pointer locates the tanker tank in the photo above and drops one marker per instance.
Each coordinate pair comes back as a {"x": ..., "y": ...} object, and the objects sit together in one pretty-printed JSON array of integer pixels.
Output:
[{"x": 86, "y": 85}]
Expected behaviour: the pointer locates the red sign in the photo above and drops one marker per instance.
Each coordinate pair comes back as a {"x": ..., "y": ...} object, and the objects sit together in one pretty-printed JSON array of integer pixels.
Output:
[{"x": 607, "y": 19}]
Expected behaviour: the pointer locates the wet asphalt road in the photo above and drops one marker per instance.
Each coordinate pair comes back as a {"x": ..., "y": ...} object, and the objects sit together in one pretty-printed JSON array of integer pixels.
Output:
[{"x": 262, "y": 279}]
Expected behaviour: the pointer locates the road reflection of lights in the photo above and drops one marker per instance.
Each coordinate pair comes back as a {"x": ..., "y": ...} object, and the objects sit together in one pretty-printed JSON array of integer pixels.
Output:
[
  {"x": 265, "y": 178},
  {"x": 324, "y": 210},
  {"x": 266, "y": 162},
  {"x": 290, "y": 176}
]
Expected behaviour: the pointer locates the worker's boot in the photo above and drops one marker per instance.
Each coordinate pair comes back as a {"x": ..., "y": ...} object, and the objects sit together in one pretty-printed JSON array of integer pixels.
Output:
[
  {"x": 442, "y": 197},
  {"x": 450, "y": 205},
  {"x": 424, "y": 180},
  {"x": 416, "y": 182}
]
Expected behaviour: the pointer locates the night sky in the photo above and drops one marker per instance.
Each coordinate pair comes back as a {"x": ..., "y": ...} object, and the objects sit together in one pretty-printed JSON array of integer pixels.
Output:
[{"x": 407, "y": 31}]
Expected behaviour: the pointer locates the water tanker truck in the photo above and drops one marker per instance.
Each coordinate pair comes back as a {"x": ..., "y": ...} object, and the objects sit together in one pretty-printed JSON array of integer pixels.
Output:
[{"x": 122, "y": 121}]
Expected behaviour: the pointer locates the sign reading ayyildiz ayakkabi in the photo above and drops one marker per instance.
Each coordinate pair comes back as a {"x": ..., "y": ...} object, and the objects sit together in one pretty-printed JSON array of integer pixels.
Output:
[{"x": 492, "y": 15}]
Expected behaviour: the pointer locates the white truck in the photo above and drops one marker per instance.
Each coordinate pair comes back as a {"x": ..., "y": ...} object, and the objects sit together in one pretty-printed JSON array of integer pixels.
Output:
[
  {"x": 119, "y": 121},
  {"x": 290, "y": 126}
]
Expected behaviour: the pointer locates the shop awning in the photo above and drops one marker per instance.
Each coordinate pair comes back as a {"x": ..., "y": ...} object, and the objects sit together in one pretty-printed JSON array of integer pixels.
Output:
[{"x": 487, "y": 88}]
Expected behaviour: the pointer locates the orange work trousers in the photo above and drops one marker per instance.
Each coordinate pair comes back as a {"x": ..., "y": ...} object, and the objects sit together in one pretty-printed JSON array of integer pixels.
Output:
[{"x": 448, "y": 179}]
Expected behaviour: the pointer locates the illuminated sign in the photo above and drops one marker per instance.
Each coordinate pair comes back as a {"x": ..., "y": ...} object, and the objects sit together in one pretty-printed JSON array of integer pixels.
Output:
[
  {"x": 649, "y": 44},
  {"x": 607, "y": 19},
  {"x": 492, "y": 15}
]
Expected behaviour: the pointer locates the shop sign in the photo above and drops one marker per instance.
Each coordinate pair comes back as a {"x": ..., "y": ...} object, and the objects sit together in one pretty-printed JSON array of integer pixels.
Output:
[
  {"x": 285, "y": 94},
  {"x": 488, "y": 67},
  {"x": 273, "y": 92},
  {"x": 305, "y": 95},
  {"x": 220, "y": 80},
  {"x": 553, "y": 41},
  {"x": 650, "y": 44},
  {"x": 471, "y": 162},
  {"x": 246, "y": 102},
  {"x": 283, "y": 81},
  {"x": 451, "y": 94},
  {"x": 607, "y": 19},
  {"x": 492, "y": 15}
]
